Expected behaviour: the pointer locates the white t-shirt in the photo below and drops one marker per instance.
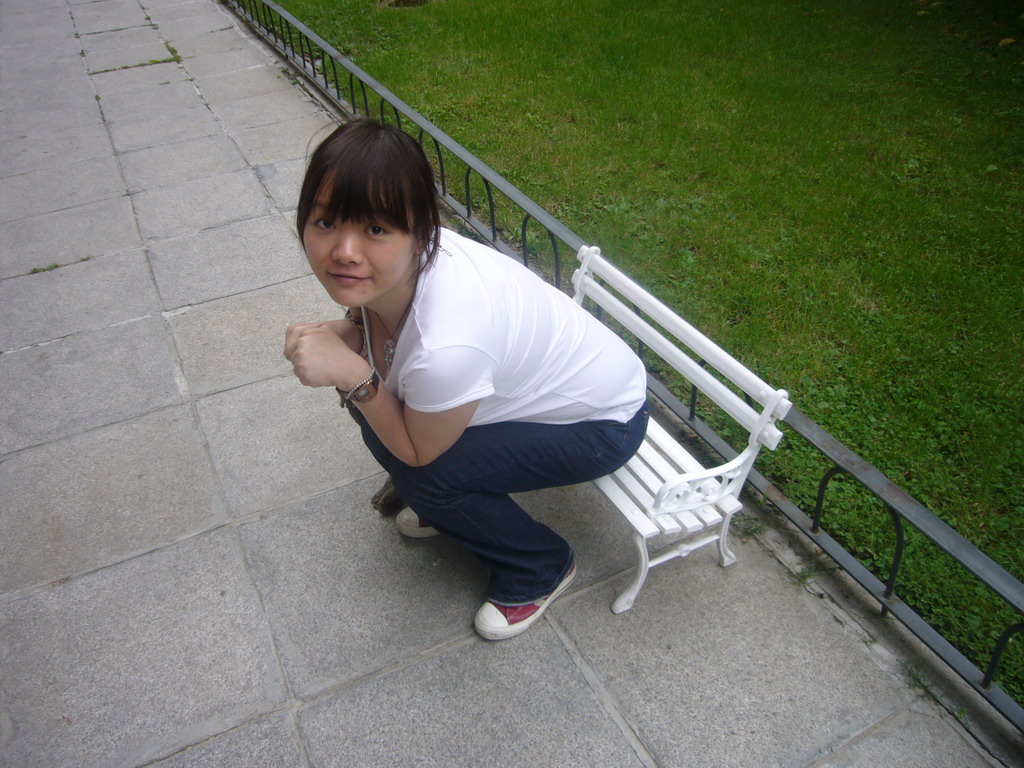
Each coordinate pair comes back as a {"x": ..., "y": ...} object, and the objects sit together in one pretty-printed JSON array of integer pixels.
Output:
[{"x": 483, "y": 327}]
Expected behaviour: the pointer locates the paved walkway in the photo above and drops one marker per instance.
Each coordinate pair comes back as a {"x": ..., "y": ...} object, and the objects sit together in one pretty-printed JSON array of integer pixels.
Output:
[{"x": 191, "y": 572}]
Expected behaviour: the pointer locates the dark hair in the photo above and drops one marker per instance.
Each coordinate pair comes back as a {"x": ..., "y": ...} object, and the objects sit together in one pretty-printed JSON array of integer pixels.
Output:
[{"x": 373, "y": 172}]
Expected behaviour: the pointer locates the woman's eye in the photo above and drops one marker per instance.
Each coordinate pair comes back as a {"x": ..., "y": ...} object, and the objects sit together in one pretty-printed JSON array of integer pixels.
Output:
[
  {"x": 374, "y": 229},
  {"x": 324, "y": 224}
]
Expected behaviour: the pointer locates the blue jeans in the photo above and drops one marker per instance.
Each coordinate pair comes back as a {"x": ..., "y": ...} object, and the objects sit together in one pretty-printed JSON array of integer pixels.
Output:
[{"x": 464, "y": 493}]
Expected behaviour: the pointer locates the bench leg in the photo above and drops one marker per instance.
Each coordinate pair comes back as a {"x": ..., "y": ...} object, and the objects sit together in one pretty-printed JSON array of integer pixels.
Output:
[
  {"x": 625, "y": 601},
  {"x": 725, "y": 555}
]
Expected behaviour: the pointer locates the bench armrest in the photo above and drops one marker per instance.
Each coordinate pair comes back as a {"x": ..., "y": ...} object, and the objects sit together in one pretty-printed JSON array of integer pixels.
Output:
[{"x": 705, "y": 487}]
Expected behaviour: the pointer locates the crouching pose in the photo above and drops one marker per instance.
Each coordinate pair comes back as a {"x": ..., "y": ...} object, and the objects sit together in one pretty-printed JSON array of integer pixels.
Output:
[{"x": 473, "y": 378}]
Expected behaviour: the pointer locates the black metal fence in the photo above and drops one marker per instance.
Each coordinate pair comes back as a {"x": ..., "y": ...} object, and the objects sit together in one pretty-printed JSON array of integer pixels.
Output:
[{"x": 497, "y": 212}]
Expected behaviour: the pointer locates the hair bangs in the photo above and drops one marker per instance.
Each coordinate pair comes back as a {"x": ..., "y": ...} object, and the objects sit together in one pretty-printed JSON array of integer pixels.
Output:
[{"x": 359, "y": 191}]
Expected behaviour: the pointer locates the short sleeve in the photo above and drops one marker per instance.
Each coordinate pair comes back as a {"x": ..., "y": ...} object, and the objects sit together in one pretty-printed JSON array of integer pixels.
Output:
[{"x": 442, "y": 379}]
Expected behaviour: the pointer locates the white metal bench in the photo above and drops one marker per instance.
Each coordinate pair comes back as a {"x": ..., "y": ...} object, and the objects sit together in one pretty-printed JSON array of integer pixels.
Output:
[{"x": 664, "y": 489}]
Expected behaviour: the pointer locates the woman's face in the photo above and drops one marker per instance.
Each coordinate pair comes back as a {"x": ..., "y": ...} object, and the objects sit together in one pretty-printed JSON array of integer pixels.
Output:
[{"x": 361, "y": 263}]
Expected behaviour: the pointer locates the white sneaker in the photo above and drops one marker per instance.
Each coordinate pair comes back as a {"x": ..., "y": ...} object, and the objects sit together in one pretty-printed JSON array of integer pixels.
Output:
[{"x": 409, "y": 524}]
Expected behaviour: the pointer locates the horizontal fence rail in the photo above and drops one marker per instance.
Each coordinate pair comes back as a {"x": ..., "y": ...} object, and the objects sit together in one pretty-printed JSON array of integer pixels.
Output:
[{"x": 503, "y": 216}]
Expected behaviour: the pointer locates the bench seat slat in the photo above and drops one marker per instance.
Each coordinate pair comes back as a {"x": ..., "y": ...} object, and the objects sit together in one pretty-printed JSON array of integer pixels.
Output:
[
  {"x": 641, "y": 523},
  {"x": 644, "y": 474},
  {"x": 656, "y": 461},
  {"x": 689, "y": 521},
  {"x": 641, "y": 495},
  {"x": 668, "y": 524},
  {"x": 669, "y": 446},
  {"x": 708, "y": 515}
]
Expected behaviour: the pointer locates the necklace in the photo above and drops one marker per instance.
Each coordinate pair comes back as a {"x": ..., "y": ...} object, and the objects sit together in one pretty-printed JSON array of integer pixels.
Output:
[{"x": 389, "y": 342}]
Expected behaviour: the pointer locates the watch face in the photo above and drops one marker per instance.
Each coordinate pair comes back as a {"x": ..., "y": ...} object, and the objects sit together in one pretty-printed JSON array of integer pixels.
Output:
[{"x": 365, "y": 393}]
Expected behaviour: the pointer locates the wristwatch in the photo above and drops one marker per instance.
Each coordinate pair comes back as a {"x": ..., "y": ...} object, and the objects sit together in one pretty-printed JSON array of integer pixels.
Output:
[{"x": 362, "y": 392}]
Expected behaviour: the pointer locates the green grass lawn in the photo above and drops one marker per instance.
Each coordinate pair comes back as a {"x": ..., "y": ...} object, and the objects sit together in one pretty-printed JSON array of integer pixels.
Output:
[{"x": 831, "y": 190}]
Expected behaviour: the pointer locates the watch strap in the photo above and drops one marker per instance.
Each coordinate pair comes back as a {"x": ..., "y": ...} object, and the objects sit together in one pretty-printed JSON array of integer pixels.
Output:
[{"x": 363, "y": 391}]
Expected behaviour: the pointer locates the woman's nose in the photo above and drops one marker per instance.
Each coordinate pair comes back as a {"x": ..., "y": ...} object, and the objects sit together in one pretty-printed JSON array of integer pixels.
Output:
[{"x": 346, "y": 248}]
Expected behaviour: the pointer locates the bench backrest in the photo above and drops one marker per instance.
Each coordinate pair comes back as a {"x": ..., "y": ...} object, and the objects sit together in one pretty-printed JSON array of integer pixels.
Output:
[{"x": 599, "y": 280}]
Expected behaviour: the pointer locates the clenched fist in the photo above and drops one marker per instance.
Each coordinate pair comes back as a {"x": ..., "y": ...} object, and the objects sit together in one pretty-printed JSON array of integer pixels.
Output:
[{"x": 322, "y": 354}]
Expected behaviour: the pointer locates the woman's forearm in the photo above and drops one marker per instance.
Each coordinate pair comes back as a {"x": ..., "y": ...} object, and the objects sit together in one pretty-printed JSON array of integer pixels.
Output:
[
  {"x": 413, "y": 437},
  {"x": 386, "y": 416}
]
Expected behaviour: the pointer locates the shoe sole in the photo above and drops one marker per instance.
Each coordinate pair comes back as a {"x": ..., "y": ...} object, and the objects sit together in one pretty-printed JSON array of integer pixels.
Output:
[
  {"x": 504, "y": 633},
  {"x": 419, "y": 532}
]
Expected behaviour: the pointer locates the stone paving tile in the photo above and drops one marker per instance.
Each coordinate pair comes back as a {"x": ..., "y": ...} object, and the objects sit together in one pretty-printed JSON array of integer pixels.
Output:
[
  {"x": 731, "y": 648},
  {"x": 283, "y": 180},
  {"x": 911, "y": 738},
  {"x": 521, "y": 702},
  {"x": 225, "y": 61},
  {"x": 157, "y": 128},
  {"x": 119, "y": 38},
  {"x": 245, "y": 83},
  {"x": 79, "y": 297},
  {"x": 43, "y": 19},
  {"x": 37, "y": 13},
  {"x": 189, "y": 18},
  {"x": 26, "y": 153},
  {"x": 21, "y": 36},
  {"x": 21, "y": 43},
  {"x": 158, "y": 486},
  {"x": 288, "y": 140},
  {"x": 41, "y": 69},
  {"x": 212, "y": 42},
  {"x": 184, "y": 161},
  {"x": 16, "y": 7},
  {"x": 26, "y": 25},
  {"x": 264, "y": 109},
  {"x": 167, "y": 101},
  {"x": 127, "y": 56},
  {"x": 104, "y": 15},
  {"x": 276, "y": 441},
  {"x": 226, "y": 343},
  {"x": 267, "y": 743},
  {"x": 54, "y": 189},
  {"x": 137, "y": 78},
  {"x": 42, "y": 119},
  {"x": 63, "y": 93},
  {"x": 64, "y": 237},
  {"x": 228, "y": 260},
  {"x": 346, "y": 594},
  {"x": 128, "y": 663},
  {"x": 58, "y": 389},
  {"x": 192, "y": 206}
]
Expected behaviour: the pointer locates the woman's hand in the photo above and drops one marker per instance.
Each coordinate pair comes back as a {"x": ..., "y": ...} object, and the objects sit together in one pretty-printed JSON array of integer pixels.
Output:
[{"x": 322, "y": 354}]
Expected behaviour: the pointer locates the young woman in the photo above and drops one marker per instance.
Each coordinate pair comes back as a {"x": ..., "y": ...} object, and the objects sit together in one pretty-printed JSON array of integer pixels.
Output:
[{"x": 473, "y": 378}]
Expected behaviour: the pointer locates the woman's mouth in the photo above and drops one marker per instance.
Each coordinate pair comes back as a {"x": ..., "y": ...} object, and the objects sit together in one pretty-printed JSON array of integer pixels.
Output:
[{"x": 346, "y": 280}]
